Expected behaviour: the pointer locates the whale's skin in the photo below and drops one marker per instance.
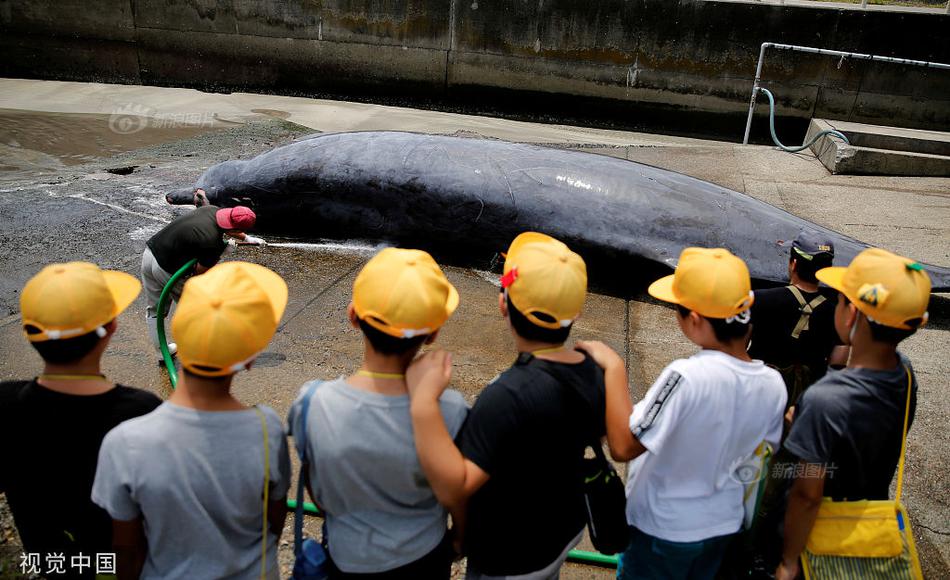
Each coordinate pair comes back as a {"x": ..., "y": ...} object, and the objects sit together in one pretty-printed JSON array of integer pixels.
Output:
[{"x": 401, "y": 187}]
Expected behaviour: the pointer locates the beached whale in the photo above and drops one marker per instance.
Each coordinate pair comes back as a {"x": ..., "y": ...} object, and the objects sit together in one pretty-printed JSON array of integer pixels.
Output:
[{"x": 444, "y": 191}]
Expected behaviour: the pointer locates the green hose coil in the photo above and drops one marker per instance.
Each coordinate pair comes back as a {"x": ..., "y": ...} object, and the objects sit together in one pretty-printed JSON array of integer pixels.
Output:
[{"x": 771, "y": 98}]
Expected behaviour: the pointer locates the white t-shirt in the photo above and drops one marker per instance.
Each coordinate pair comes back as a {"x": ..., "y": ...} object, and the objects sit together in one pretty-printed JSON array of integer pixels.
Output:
[{"x": 699, "y": 421}]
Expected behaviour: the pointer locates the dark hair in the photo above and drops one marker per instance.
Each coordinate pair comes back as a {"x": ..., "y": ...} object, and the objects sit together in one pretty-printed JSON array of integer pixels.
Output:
[
  {"x": 888, "y": 334},
  {"x": 806, "y": 269},
  {"x": 66, "y": 350},
  {"x": 724, "y": 331},
  {"x": 531, "y": 331},
  {"x": 386, "y": 344},
  {"x": 881, "y": 333}
]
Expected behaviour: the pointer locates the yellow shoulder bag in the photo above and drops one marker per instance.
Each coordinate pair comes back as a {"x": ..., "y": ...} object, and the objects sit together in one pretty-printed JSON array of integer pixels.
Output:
[{"x": 864, "y": 539}]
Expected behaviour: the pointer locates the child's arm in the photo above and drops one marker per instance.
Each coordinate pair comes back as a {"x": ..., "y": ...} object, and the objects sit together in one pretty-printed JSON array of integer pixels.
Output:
[
  {"x": 452, "y": 477},
  {"x": 620, "y": 440},
  {"x": 803, "y": 503},
  {"x": 277, "y": 516},
  {"x": 131, "y": 547}
]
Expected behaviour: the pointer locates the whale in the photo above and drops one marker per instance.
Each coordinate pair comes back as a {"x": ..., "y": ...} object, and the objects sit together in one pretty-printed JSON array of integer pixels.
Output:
[{"x": 475, "y": 194}]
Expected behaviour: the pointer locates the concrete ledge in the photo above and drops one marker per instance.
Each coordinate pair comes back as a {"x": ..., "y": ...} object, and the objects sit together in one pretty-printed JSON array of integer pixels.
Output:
[{"x": 877, "y": 150}]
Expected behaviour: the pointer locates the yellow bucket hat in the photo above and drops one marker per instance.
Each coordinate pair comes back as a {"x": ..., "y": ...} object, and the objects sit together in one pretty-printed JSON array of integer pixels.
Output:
[
  {"x": 711, "y": 282},
  {"x": 889, "y": 289},
  {"x": 543, "y": 276},
  {"x": 226, "y": 317},
  {"x": 403, "y": 293},
  {"x": 69, "y": 300}
]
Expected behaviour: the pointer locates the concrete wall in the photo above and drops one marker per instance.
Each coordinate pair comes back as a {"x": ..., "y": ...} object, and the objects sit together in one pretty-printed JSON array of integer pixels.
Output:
[{"x": 632, "y": 60}]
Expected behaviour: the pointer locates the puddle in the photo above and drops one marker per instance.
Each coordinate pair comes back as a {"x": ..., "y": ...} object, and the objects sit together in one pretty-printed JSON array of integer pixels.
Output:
[{"x": 35, "y": 140}]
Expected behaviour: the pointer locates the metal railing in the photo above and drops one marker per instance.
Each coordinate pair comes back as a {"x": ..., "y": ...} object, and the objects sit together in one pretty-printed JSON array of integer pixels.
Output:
[{"x": 826, "y": 52}]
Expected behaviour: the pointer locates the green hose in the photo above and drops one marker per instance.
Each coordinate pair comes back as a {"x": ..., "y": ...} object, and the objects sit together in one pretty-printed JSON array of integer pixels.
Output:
[
  {"x": 837, "y": 134},
  {"x": 580, "y": 556},
  {"x": 160, "y": 326}
]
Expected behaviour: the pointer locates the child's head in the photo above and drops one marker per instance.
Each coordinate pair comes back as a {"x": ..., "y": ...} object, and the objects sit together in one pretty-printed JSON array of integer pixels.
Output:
[
  {"x": 69, "y": 310},
  {"x": 810, "y": 252},
  {"x": 543, "y": 288},
  {"x": 882, "y": 295},
  {"x": 226, "y": 317},
  {"x": 713, "y": 294},
  {"x": 401, "y": 298}
]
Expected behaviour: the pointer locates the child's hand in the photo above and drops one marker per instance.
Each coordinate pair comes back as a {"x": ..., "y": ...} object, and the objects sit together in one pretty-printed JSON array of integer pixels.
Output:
[
  {"x": 429, "y": 375},
  {"x": 602, "y": 354}
]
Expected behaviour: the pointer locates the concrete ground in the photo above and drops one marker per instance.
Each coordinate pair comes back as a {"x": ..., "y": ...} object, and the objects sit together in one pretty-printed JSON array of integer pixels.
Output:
[{"x": 58, "y": 202}]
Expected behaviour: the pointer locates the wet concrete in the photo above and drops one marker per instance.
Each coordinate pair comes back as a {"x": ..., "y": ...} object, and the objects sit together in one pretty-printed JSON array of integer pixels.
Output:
[{"x": 60, "y": 212}]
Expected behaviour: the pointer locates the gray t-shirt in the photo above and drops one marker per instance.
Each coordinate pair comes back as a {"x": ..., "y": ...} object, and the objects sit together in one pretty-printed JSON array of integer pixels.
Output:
[
  {"x": 852, "y": 422},
  {"x": 381, "y": 511},
  {"x": 197, "y": 480}
]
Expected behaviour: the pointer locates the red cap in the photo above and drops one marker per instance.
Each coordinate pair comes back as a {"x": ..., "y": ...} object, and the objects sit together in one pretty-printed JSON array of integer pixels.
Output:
[{"x": 236, "y": 218}]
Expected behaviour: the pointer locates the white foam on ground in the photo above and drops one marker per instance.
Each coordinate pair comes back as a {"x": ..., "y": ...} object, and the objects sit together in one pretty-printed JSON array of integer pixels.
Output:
[
  {"x": 491, "y": 277},
  {"x": 357, "y": 248}
]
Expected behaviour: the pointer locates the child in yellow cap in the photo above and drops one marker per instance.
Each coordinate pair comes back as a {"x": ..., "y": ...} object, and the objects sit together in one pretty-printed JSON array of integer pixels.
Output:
[
  {"x": 198, "y": 488},
  {"x": 697, "y": 426},
  {"x": 52, "y": 426},
  {"x": 518, "y": 464},
  {"x": 849, "y": 426},
  {"x": 354, "y": 434}
]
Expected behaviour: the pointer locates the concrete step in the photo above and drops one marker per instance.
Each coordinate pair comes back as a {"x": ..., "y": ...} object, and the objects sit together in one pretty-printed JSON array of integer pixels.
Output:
[{"x": 879, "y": 150}]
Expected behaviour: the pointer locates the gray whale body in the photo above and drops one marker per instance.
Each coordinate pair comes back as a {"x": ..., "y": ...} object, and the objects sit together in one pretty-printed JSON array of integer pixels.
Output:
[{"x": 480, "y": 193}]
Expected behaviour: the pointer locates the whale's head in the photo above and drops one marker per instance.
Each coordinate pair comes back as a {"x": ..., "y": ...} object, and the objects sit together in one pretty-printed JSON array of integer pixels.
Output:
[
  {"x": 184, "y": 196},
  {"x": 188, "y": 196}
]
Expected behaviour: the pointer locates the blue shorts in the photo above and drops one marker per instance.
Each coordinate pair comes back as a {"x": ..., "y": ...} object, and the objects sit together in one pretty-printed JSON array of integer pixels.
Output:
[{"x": 650, "y": 558}]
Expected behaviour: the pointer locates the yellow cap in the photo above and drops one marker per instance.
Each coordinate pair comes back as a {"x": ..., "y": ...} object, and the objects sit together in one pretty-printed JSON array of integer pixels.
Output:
[
  {"x": 68, "y": 300},
  {"x": 891, "y": 290},
  {"x": 543, "y": 276},
  {"x": 226, "y": 317},
  {"x": 711, "y": 282},
  {"x": 403, "y": 293}
]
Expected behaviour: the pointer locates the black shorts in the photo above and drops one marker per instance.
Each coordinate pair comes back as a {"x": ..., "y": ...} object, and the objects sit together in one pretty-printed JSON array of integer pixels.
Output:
[{"x": 436, "y": 565}]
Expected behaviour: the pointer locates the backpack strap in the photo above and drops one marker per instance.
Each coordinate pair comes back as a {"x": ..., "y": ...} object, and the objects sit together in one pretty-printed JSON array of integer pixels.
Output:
[
  {"x": 804, "y": 308},
  {"x": 300, "y": 440},
  {"x": 900, "y": 468}
]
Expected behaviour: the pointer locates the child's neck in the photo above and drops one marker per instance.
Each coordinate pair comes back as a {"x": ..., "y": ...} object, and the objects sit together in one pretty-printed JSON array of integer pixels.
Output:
[
  {"x": 82, "y": 377},
  {"x": 383, "y": 374},
  {"x": 735, "y": 349},
  {"x": 205, "y": 394},
  {"x": 871, "y": 354},
  {"x": 556, "y": 352}
]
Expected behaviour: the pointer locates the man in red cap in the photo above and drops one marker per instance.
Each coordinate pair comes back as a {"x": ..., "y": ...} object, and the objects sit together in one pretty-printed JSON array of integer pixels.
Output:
[{"x": 196, "y": 235}]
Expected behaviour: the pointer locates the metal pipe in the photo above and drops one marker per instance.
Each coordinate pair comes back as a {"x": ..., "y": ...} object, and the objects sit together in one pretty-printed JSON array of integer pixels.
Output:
[
  {"x": 826, "y": 52},
  {"x": 755, "y": 91},
  {"x": 581, "y": 556}
]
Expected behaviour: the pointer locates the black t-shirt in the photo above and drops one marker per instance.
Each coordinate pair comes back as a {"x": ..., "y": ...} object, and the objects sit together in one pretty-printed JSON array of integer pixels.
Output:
[
  {"x": 528, "y": 430},
  {"x": 48, "y": 462},
  {"x": 193, "y": 235},
  {"x": 776, "y": 312},
  {"x": 852, "y": 421}
]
